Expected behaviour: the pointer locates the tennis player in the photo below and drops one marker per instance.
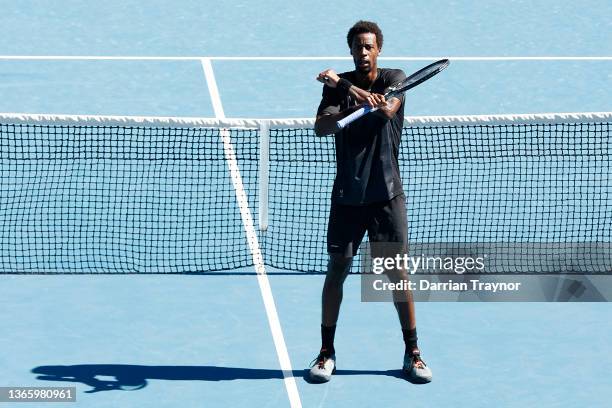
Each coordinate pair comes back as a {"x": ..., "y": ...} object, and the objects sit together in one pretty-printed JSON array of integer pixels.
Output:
[{"x": 367, "y": 193}]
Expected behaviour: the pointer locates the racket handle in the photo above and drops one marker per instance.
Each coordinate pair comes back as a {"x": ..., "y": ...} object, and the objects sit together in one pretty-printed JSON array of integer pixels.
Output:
[{"x": 353, "y": 116}]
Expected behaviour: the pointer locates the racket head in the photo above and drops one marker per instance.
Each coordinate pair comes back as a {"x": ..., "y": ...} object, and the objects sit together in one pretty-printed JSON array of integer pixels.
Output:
[{"x": 417, "y": 78}]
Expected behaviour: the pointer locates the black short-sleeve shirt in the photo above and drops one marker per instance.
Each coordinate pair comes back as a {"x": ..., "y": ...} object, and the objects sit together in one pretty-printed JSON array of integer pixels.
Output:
[{"x": 367, "y": 150}]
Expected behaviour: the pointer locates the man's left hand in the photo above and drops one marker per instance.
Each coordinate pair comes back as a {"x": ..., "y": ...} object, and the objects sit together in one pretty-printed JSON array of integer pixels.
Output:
[{"x": 329, "y": 78}]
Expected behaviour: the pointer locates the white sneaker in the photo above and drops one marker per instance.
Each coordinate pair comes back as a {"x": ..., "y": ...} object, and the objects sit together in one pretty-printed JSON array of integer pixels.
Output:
[
  {"x": 322, "y": 368},
  {"x": 416, "y": 374}
]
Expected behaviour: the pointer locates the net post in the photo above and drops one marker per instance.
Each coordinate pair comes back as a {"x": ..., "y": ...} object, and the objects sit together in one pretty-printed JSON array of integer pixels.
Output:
[{"x": 264, "y": 173}]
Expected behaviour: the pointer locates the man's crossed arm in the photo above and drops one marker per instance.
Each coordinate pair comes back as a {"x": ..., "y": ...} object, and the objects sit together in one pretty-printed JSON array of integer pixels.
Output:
[{"x": 326, "y": 124}]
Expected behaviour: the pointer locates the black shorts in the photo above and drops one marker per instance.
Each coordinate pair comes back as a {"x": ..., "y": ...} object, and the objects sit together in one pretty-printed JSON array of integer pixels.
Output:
[{"x": 385, "y": 222}]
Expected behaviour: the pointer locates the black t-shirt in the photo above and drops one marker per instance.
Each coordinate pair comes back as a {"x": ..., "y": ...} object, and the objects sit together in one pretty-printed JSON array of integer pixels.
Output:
[{"x": 367, "y": 150}]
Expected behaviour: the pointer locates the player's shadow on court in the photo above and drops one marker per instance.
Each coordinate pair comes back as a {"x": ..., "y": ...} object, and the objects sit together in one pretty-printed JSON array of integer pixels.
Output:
[{"x": 108, "y": 377}]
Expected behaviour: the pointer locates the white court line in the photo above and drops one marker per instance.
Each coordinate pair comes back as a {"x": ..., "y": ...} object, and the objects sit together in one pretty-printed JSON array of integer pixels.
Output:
[
  {"x": 249, "y": 226},
  {"x": 213, "y": 90},
  {"x": 383, "y": 58},
  {"x": 289, "y": 58}
]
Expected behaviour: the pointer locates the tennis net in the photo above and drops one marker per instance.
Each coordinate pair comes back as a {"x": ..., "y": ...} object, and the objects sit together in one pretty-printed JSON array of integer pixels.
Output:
[{"x": 92, "y": 194}]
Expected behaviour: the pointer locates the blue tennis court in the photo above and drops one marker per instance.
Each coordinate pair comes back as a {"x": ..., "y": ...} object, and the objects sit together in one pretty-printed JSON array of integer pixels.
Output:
[{"x": 217, "y": 333}]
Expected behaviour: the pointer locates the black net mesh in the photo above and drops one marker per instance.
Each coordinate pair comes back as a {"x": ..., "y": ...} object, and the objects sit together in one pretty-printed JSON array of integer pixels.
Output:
[{"x": 145, "y": 199}]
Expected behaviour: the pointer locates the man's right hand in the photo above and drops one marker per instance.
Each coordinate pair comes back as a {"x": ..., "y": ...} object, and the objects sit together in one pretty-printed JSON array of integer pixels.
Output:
[
  {"x": 329, "y": 78},
  {"x": 376, "y": 101}
]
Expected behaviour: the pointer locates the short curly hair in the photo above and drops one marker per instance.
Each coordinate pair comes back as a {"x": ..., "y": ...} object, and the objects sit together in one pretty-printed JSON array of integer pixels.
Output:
[{"x": 362, "y": 27}]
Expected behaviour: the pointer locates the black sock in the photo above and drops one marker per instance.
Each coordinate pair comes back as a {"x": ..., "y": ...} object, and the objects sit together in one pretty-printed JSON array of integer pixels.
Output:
[
  {"x": 410, "y": 339},
  {"x": 327, "y": 339}
]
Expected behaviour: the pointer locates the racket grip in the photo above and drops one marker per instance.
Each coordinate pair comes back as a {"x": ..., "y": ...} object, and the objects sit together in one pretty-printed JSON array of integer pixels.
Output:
[{"x": 353, "y": 116}]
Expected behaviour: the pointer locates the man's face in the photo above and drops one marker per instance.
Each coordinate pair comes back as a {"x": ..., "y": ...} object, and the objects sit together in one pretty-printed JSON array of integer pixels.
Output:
[{"x": 365, "y": 52}]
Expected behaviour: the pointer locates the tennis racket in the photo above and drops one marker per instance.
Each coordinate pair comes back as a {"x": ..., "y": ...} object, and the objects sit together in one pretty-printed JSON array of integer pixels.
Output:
[{"x": 413, "y": 80}]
